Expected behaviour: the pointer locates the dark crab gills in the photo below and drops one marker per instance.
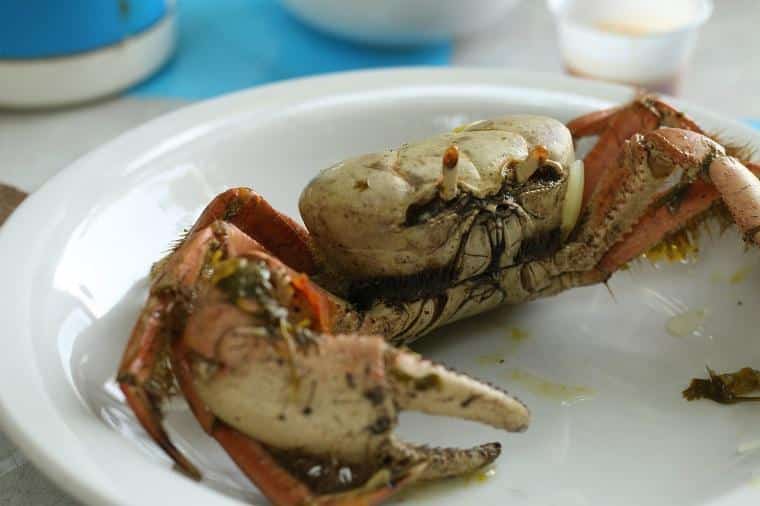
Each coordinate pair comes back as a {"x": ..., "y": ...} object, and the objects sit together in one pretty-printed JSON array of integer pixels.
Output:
[{"x": 418, "y": 239}]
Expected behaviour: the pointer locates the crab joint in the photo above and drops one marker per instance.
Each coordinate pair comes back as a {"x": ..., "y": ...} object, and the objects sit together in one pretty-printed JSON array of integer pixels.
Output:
[
  {"x": 449, "y": 173},
  {"x": 536, "y": 158}
]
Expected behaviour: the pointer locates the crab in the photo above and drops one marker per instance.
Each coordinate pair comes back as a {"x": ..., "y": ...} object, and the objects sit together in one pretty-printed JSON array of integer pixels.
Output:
[{"x": 290, "y": 345}]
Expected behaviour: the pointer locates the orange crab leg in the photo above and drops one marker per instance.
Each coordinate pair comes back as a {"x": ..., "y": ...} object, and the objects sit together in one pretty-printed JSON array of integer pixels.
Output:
[
  {"x": 593, "y": 123},
  {"x": 604, "y": 174},
  {"x": 148, "y": 341},
  {"x": 657, "y": 224},
  {"x": 732, "y": 181},
  {"x": 147, "y": 413},
  {"x": 260, "y": 467},
  {"x": 276, "y": 232},
  {"x": 615, "y": 127},
  {"x": 740, "y": 189}
]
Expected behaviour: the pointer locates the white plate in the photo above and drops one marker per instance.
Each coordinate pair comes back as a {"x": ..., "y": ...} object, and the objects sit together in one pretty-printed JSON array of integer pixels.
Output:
[{"x": 76, "y": 254}]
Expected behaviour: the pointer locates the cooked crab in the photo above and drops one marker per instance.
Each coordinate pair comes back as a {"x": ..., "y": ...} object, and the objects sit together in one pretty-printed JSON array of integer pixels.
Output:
[{"x": 287, "y": 344}]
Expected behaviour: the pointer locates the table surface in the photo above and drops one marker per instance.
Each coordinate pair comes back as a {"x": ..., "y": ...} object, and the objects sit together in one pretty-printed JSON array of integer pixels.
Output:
[{"x": 34, "y": 146}]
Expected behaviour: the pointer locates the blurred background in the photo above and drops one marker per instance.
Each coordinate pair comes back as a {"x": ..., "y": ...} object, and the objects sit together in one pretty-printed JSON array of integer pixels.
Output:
[
  {"x": 75, "y": 74},
  {"x": 168, "y": 53}
]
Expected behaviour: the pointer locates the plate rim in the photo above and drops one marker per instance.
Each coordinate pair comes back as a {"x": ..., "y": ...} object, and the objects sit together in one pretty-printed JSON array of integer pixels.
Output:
[{"x": 34, "y": 443}]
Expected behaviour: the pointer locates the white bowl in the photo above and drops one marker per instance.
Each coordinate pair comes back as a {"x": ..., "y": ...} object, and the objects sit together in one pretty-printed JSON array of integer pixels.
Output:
[
  {"x": 652, "y": 58},
  {"x": 399, "y": 22}
]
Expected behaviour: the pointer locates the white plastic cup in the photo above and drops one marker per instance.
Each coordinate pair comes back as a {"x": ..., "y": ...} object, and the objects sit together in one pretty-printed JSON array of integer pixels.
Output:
[{"x": 646, "y": 43}]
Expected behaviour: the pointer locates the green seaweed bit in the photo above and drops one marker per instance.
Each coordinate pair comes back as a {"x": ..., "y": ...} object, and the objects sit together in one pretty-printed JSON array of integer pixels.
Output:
[
  {"x": 162, "y": 382},
  {"x": 729, "y": 388},
  {"x": 246, "y": 280},
  {"x": 233, "y": 208},
  {"x": 210, "y": 259},
  {"x": 240, "y": 278}
]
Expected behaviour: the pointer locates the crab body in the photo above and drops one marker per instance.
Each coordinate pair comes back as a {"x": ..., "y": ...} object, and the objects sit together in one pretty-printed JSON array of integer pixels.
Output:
[
  {"x": 284, "y": 342},
  {"x": 415, "y": 243}
]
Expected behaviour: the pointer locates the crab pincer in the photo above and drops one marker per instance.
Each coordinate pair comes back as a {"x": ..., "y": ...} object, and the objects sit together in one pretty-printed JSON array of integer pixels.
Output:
[
  {"x": 307, "y": 415},
  {"x": 325, "y": 405}
]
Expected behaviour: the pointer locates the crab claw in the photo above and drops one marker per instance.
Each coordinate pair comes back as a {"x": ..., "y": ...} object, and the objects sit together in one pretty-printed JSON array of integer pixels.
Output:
[
  {"x": 253, "y": 356},
  {"x": 145, "y": 376},
  {"x": 308, "y": 416}
]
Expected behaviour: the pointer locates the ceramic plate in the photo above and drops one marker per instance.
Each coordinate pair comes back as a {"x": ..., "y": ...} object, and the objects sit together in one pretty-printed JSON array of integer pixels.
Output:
[{"x": 602, "y": 368}]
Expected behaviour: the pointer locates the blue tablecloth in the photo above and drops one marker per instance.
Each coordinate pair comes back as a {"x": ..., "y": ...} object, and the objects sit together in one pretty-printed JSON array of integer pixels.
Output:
[{"x": 227, "y": 45}]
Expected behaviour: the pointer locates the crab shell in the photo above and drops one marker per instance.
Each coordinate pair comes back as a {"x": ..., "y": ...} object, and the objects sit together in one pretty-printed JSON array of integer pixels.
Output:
[{"x": 375, "y": 216}]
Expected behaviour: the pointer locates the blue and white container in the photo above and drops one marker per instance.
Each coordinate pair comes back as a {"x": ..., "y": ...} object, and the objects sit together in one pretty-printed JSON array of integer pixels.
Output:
[{"x": 58, "y": 52}]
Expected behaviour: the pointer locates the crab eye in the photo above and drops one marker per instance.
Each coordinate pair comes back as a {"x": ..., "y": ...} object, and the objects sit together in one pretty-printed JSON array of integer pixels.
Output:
[{"x": 549, "y": 172}]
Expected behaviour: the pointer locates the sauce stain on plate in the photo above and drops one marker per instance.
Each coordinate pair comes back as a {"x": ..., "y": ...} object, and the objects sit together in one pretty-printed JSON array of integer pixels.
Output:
[
  {"x": 543, "y": 387},
  {"x": 518, "y": 335},
  {"x": 491, "y": 359},
  {"x": 514, "y": 337},
  {"x": 739, "y": 276},
  {"x": 748, "y": 447},
  {"x": 434, "y": 489},
  {"x": 687, "y": 323}
]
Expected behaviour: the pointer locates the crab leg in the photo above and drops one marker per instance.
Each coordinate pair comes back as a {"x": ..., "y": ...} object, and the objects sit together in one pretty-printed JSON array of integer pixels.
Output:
[
  {"x": 253, "y": 215},
  {"x": 616, "y": 126},
  {"x": 740, "y": 189},
  {"x": 650, "y": 169},
  {"x": 143, "y": 375},
  {"x": 736, "y": 184}
]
